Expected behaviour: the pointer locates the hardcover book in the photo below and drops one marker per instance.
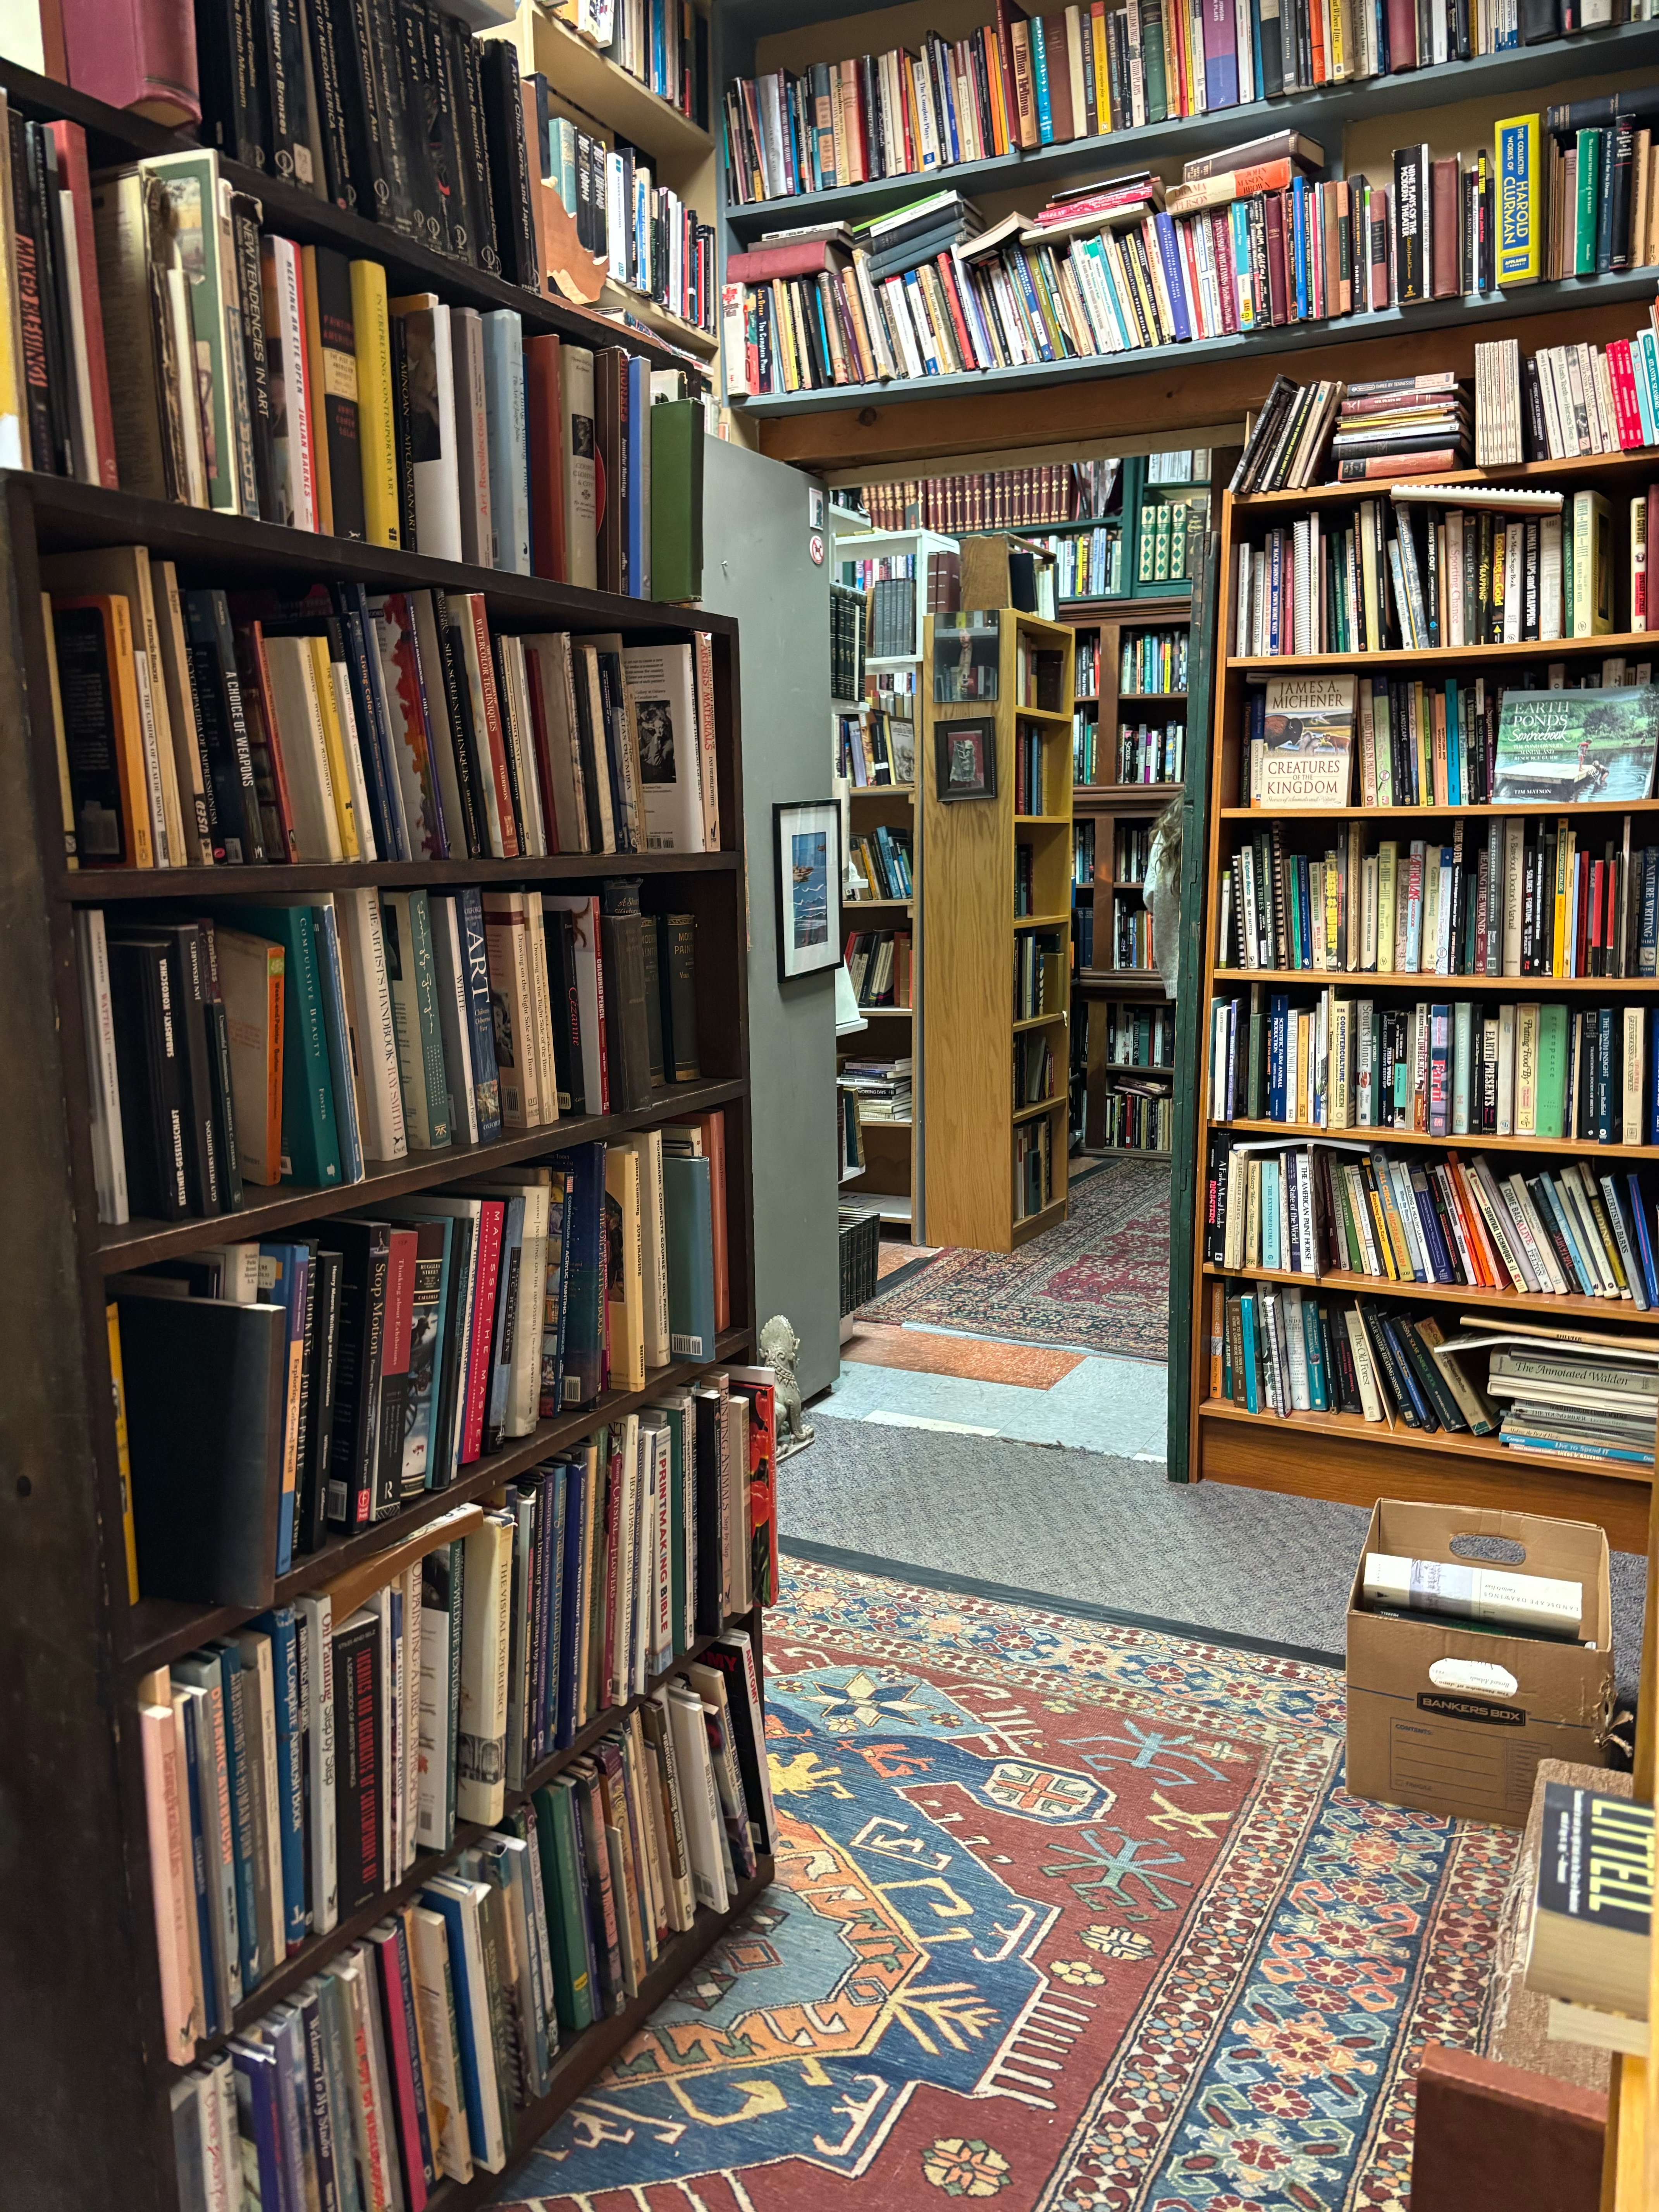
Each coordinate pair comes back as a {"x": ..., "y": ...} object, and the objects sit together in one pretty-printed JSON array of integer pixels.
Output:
[
  {"x": 1307, "y": 757},
  {"x": 1567, "y": 747}
]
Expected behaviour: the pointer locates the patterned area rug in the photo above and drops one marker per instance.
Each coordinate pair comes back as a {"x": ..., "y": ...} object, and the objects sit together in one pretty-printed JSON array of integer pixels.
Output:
[
  {"x": 1100, "y": 1282},
  {"x": 1066, "y": 1916}
]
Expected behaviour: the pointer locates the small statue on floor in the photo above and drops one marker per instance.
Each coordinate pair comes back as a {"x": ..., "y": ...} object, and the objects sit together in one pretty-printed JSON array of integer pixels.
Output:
[
  {"x": 780, "y": 1347},
  {"x": 1161, "y": 894}
]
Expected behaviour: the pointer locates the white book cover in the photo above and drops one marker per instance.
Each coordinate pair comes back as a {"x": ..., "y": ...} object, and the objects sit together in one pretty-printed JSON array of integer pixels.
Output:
[
  {"x": 469, "y": 1899},
  {"x": 220, "y": 2139},
  {"x": 425, "y": 321},
  {"x": 369, "y": 996},
  {"x": 454, "y": 1015},
  {"x": 472, "y": 436},
  {"x": 109, "y": 1159},
  {"x": 316, "y": 1622},
  {"x": 550, "y": 676},
  {"x": 581, "y": 506},
  {"x": 699, "y": 1799},
  {"x": 509, "y": 477},
  {"x": 518, "y": 729},
  {"x": 662, "y": 679},
  {"x": 480, "y": 1762},
  {"x": 291, "y": 426},
  {"x": 299, "y": 714},
  {"x": 430, "y": 1973}
]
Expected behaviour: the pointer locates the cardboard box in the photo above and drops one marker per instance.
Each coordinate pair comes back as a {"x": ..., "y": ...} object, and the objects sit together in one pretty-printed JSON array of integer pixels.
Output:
[{"x": 1446, "y": 1720}]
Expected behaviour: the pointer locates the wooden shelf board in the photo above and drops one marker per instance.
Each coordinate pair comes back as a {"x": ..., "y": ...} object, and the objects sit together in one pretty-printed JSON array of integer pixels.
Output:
[
  {"x": 1041, "y": 821},
  {"x": 1608, "y": 807},
  {"x": 1035, "y": 1113},
  {"x": 161, "y": 1630},
  {"x": 1042, "y": 920},
  {"x": 1440, "y": 1440},
  {"x": 1540, "y": 1307},
  {"x": 905, "y": 790},
  {"x": 1122, "y": 979},
  {"x": 1264, "y": 346},
  {"x": 1040, "y": 715},
  {"x": 613, "y": 96},
  {"x": 1356, "y": 978},
  {"x": 233, "y": 551},
  {"x": 104, "y": 886},
  {"x": 1523, "y": 473},
  {"x": 1038, "y": 1021},
  {"x": 857, "y": 905},
  {"x": 1115, "y": 886},
  {"x": 887, "y": 1013},
  {"x": 1122, "y": 797},
  {"x": 1033, "y": 1224},
  {"x": 1630, "y": 643},
  {"x": 1320, "y": 113},
  {"x": 1160, "y": 698},
  {"x": 1585, "y": 1147},
  {"x": 1127, "y": 1151},
  {"x": 318, "y": 1950},
  {"x": 137, "y": 1243}
]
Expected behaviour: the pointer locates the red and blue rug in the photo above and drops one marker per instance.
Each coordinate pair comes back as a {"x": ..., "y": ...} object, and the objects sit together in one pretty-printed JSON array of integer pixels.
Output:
[
  {"x": 1099, "y": 1281},
  {"x": 1067, "y": 1915}
]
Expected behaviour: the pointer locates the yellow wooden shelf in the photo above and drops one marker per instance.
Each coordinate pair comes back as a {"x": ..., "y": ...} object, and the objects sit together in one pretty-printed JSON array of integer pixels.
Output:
[
  {"x": 1033, "y": 1225},
  {"x": 1036, "y": 1021},
  {"x": 1438, "y": 1440},
  {"x": 1568, "y": 474},
  {"x": 1042, "y": 920},
  {"x": 1297, "y": 1131},
  {"x": 1406, "y": 979},
  {"x": 1573, "y": 1306},
  {"x": 1042, "y": 821},
  {"x": 1042, "y": 1106},
  {"x": 580, "y": 73},
  {"x": 1602, "y": 806},
  {"x": 1447, "y": 656}
]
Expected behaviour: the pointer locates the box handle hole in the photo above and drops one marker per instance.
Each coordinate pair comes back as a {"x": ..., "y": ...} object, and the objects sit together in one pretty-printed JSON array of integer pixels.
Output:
[{"x": 1497, "y": 1551}]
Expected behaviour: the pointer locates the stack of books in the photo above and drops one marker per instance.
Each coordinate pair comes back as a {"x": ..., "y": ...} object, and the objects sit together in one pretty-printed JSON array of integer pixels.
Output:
[
  {"x": 1582, "y": 1398},
  {"x": 1002, "y": 499},
  {"x": 883, "y": 1087},
  {"x": 1401, "y": 426},
  {"x": 879, "y": 966},
  {"x": 1592, "y": 1927},
  {"x": 882, "y": 857}
]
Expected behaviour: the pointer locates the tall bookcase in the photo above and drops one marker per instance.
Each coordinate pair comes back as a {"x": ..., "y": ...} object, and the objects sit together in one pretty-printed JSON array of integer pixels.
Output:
[
  {"x": 81, "y": 2035},
  {"x": 982, "y": 1029},
  {"x": 893, "y": 1179},
  {"x": 1333, "y": 1454}
]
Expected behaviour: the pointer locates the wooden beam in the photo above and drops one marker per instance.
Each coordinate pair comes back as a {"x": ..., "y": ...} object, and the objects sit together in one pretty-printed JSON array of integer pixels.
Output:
[{"x": 1176, "y": 396}]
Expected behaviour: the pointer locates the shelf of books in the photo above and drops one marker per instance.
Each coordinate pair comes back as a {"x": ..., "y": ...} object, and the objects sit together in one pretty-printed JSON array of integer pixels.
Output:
[
  {"x": 387, "y": 1479},
  {"x": 996, "y": 808},
  {"x": 892, "y": 579},
  {"x": 1430, "y": 1091}
]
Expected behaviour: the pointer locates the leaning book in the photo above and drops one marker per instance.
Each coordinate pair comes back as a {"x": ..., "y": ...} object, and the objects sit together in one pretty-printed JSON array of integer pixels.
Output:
[
  {"x": 1564, "y": 748},
  {"x": 1307, "y": 743}
]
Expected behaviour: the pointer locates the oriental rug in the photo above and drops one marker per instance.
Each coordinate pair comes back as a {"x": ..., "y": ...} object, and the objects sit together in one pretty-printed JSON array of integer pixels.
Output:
[
  {"x": 1099, "y": 1281},
  {"x": 1067, "y": 1915}
]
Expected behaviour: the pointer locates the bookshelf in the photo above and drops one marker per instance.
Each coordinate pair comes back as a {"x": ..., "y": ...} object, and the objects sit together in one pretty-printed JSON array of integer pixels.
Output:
[
  {"x": 84, "y": 2034},
  {"x": 983, "y": 1032},
  {"x": 1339, "y": 1456},
  {"x": 892, "y": 1175}
]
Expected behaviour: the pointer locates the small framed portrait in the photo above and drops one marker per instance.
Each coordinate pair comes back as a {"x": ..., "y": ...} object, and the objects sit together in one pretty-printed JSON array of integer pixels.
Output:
[
  {"x": 806, "y": 834},
  {"x": 965, "y": 759}
]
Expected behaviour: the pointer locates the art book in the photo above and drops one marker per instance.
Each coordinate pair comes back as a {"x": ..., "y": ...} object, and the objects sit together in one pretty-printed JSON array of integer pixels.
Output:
[
  {"x": 1567, "y": 747},
  {"x": 1307, "y": 755}
]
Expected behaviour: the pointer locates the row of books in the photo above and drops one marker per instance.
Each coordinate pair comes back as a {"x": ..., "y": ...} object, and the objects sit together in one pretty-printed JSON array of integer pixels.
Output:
[
  {"x": 1280, "y": 1350},
  {"x": 1152, "y": 660},
  {"x": 313, "y": 399},
  {"x": 1084, "y": 940},
  {"x": 1034, "y": 1166},
  {"x": 1147, "y": 752},
  {"x": 1165, "y": 542},
  {"x": 1088, "y": 564},
  {"x": 1535, "y": 899},
  {"x": 1033, "y": 1069},
  {"x": 346, "y": 1369},
  {"x": 197, "y": 727},
  {"x": 1427, "y": 420},
  {"x": 1441, "y": 1068},
  {"x": 300, "y": 1041},
  {"x": 1019, "y": 82},
  {"x": 1561, "y": 401},
  {"x": 663, "y": 44},
  {"x": 846, "y": 641},
  {"x": 409, "y": 2057},
  {"x": 999, "y": 498},
  {"x": 1131, "y": 936},
  {"x": 1131, "y": 851},
  {"x": 879, "y": 968},
  {"x": 1561, "y": 1231},
  {"x": 1137, "y": 1035},
  {"x": 879, "y": 750},
  {"x": 882, "y": 857},
  {"x": 1083, "y": 850},
  {"x": 1137, "y": 1116},
  {"x": 1041, "y": 963},
  {"x": 1029, "y": 779},
  {"x": 882, "y": 1087}
]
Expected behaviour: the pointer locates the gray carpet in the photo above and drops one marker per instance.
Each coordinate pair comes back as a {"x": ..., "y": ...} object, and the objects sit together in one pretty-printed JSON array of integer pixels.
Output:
[{"x": 1111, "y": 1532}]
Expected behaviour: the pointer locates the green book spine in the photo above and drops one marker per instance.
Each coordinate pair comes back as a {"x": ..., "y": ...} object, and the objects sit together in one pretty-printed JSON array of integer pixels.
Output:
[
  {"x": 311, "y": 1129},
  {"x": 688, "y": 1219},
  {"x": 573, "y": 1989},
  {"x": 1151, "y": 62},
  {"x": 676, "y": 436},
  {"x": 191, "y": 184},
  {"x": 426, "y": 1002},
  {"x": 1587, "y": 210},
  {"x": 1551, "y": 1069}
]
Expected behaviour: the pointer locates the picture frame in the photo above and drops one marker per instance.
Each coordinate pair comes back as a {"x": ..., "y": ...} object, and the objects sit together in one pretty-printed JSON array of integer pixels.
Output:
[
  {"x": 807, "y": 862},
  {"x": 965, "y": 759}
]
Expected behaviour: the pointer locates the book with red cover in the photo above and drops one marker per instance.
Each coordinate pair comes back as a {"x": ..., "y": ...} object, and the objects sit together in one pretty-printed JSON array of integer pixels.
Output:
[
  {"x": 1379, "y": 467},
  {"x": 1401, "y": 18},
  {"x": 71, "y": 141},
  {"x": 1445, "y": 228},
  {"x": 802, "y": 258},
  {"x": 1377, "y": 247},
  {"x": 1278, "y": 292},
  {"x": 544, "y": 430},
  {"x": 402, "y": 2063},
  {"x": 491, "y": 1214},
  {"x": 1626, "y": 414},
  {"x": 139, "y": 54}
]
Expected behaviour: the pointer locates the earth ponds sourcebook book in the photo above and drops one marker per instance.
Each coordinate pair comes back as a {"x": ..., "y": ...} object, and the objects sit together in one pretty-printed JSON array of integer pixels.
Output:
[{"x": 1567, "y": 747}]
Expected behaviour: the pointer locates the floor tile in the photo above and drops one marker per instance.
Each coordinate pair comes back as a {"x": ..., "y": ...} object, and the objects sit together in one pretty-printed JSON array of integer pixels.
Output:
[
  {"x": 1103, "y": 1405},
  {"x": 891, "y": 1256},
  {"x": 979, "y": 1359}
]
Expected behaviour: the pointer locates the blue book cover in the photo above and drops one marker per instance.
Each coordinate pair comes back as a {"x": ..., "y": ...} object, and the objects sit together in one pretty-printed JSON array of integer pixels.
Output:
[
  {"x": 374, "y": 743},
  {"x": 1277, "y": 1016},
  {"x": 1644, "y": 1246},
  {"x": 1015, "y": 263},
  {"x": 1313, "y": 1339},
  {"x": 259, "y": 2117},
  {"x": 1562, "y": 1217},
  {"x": 1454, "y": 748},
  {"x": 509, "y": 503},
  {"x": 311, "y": 1140},
  {"x": 1299, "y": 244},
  {"x": 279, "y": 1625},
  {"x": 1039, "y": 83},
  {"x": 1436, "y": 1242},
  {"x": 466, "y": 2050},
  {"x": 1175, "y": 274},
  {"x": 190, "y": 1714},
  {"x": 638, "y": 519},
  {"x": 284, "y": 1271},
  {"x": 381, "y": 715},
  {"x": 575, "y": 1487},
  {"x": 224, "y": 1660},
  {"x": 281, "y": 2029},
  {"x": 326, "y": 941},
  {"x": 307, "y": 2002},
  {"x": 688, "y": 1218},
  {"x": 511, "y": 1314},
  {"x": 584, "y": 1319},
  {"x": 549, "y": 1575},
  {"x": 1247, "y": 1314},
  {"x": 486, "y": 1077}
]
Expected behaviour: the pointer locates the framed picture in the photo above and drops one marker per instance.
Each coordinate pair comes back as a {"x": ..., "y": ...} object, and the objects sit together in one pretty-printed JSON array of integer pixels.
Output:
[
  {"x": 807, "y": 835},
  {"x": 965, "y": 759}
]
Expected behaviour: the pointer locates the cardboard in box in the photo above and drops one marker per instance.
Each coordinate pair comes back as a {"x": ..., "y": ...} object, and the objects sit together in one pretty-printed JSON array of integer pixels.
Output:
[{"x": 1446, "y": 1720}]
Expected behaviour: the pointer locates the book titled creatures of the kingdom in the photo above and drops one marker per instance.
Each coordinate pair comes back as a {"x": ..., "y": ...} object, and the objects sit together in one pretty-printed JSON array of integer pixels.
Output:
[{"x": 1567, "y": 747}]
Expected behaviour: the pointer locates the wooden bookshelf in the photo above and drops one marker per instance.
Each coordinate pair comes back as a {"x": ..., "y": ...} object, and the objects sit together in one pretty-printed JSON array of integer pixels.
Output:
[
  {"x": 1340, "y": 1456},
  {"x": 83, "y": 2036},
  {"x": 973, "y": 1032}
]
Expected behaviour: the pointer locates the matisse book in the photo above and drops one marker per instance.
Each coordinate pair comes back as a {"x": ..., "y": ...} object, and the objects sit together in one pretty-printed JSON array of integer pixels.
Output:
[{"x": 1567, "y": 747}]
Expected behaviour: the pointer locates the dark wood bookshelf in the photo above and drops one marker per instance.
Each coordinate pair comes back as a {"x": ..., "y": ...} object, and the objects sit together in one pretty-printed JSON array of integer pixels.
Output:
[
  {"x": 78, "y": 1932},
  {"x": 114, "y": 135},
  {"x": 313, "y": 1955}
]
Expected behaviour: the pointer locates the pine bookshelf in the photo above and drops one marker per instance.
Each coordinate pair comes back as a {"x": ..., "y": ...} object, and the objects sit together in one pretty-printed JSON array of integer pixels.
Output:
[
  {"x": 83, "y": 2036},
  {"x": 976, "y": 1034},
  {"x": 1332, "y": 1454}
]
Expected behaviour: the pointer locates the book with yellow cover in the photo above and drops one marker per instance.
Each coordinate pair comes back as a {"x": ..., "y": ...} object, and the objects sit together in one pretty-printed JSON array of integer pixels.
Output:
[{"x": 372, "y": 323}]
